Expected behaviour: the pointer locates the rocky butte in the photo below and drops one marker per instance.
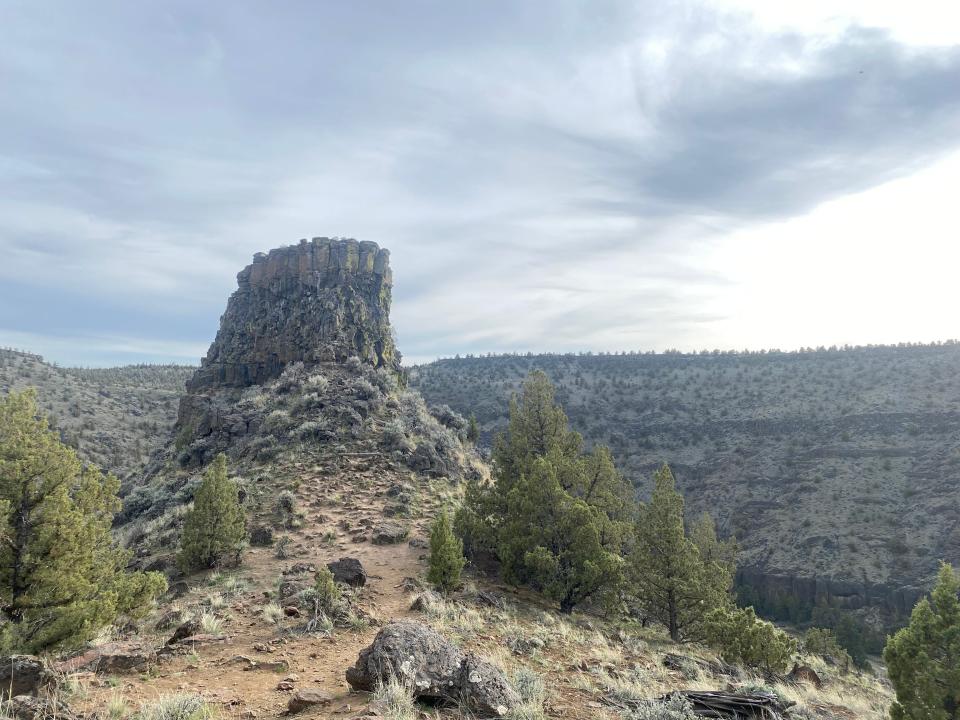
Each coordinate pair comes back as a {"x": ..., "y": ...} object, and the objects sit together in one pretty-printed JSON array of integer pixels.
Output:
[{"x": 319, "y": 301}]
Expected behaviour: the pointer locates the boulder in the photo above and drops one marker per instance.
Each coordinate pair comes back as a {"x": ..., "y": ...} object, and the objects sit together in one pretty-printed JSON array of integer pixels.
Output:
[
  {"x": 412, "y": 651},
  {"x": 390, "y": 532},
  {"x": 28, "y": 707},
  {"x": 435, "y": 669},
  {"x": 399, "y": 489},
  {"x": 348, "y": 571},
  {"x": 23, "y": 675},
  {"x": 805, "y": 673},
  {"x": 307, "y": 698},
  {"x": 185, "y": 630},
  {"x": 115, "y": 657},
  {"x": 485, "y": 689},
  {"x": 424, "y": 600}
]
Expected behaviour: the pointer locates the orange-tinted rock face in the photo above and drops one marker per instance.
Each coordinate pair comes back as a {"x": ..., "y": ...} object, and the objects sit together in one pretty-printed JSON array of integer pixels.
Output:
[{"x": 318, "y": 301}]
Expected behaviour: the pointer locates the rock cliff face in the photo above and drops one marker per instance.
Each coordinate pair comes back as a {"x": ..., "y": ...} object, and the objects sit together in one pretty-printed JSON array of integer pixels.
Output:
[{"x": 319, "y": 301}]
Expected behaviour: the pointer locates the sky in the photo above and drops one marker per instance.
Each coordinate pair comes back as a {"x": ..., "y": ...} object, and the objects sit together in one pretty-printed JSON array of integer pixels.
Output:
[{"x": 551, "y": 175}]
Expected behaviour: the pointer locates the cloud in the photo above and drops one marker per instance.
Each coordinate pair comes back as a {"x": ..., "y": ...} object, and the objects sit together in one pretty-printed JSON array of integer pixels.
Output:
[{"x": 545, "y": 180}]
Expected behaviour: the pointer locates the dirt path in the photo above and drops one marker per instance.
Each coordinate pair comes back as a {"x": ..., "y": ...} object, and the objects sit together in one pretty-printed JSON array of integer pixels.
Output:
[{"x": 351, "y": 496}]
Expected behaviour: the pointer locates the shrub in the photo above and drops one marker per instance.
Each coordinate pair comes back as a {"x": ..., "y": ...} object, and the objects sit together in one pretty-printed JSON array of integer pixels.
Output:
[
  {"x": 446, "y": 555},
  {"x": 178, "y": 707},
  {"x": 315, "y": 383},
  {"x": 396, "y": 698},
  {"x": 676, "y": 707},
  {"x": 285, "y": 509},
  {"x": 327, "y": 592},
  {"x": 278, "y": 422},
  {"x": 743, "y": 638},
  {"x": 395, "y": 437},
  {"x": 214, "y": 531},
  {"x": 281, "y": 548},
  {"x": 211, "y": 624},
  {"x": 272, "y": 613},
  {"x": 529, "y": 685},
  {"x": 821, "y": 641}
]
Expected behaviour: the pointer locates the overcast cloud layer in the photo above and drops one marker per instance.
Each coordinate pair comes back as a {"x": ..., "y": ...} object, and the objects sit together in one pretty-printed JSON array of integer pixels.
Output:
[{"x": 548, "y": 175}]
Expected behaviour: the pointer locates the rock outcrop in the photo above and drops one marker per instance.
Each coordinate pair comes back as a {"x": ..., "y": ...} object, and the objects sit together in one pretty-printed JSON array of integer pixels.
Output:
[
  {"x": 319, "y": 301},
  {"x": 434, "y": 668}
]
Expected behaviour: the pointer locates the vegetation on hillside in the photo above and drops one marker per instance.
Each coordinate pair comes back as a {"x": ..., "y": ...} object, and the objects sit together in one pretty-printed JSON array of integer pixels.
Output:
[
  {"x": 114, "y": 418},
  {"x": 565, "y": 523},
  {"x": 834, "y": 463},
  {"x": 923, "y": 659},
  {"x": 62, "y": 578},
  {"x": 446, "y": 554}
]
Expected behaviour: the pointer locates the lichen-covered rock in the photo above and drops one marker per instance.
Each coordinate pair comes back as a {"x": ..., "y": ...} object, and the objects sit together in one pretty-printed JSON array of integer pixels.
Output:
[
  {"x": 434, "y": 669},
  {"x": 485, "y": 690},
  {"x": 414, "y": 652},
  {"x": 318, "y": 301}
]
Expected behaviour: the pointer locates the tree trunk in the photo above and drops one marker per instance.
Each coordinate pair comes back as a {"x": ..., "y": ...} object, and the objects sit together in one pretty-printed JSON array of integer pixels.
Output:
[
  {"x": 18, "y": 583},
  {"x": 674, "y": 621}
]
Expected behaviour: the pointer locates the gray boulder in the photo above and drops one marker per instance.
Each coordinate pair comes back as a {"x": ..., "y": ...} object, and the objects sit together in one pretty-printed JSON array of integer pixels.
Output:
[
  {"x": 434, "y": 668},
  {"x": 390, "y": 532},
  {"x": 484, "y": 688}
]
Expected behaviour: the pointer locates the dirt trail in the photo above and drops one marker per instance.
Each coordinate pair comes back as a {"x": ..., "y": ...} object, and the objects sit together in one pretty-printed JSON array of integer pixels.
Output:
[{"x": 351, "y": 494}]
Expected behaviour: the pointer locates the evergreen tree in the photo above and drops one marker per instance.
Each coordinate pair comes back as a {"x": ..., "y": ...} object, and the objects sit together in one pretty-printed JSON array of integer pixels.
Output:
[
  {"x": 923, "y": 659},
  {"x": 538, "y": 428},
  {"x": 473, "y": 429},
  {"x": 552, "y": 541},
  {"x": 446, "y": 555},
  {"x": 556, "y": 519},
  {"x": 214, "y": 531},
  {"x": 744, "y": 639},
  {"x": 672, "y": 581},
  {"x": 62, "y": 578}
]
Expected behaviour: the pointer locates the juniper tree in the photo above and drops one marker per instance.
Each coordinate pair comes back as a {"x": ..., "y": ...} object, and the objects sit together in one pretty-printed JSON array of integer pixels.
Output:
[
  {"x": 552, "y": 541},
  {"x": 923, "y": 659},
  {"x": 473, "y": 429},
  {"x": 743, "y": 638},
  {"x": 214, "y": 530},
  {"x": 62, "y": 577},
  {"x": 670, "y": 578},
  {"x": 556, "y": 519},
  {"x": 537, "y": 428},
  {"x": 446, "y": 555}
]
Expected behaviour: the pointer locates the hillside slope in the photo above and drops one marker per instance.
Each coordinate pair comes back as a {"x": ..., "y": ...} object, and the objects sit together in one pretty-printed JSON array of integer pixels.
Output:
[
  {"x": 335, "y": 459},
  {"x": 114, "y": 417},
  {"x": 838, "y": 470}
]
